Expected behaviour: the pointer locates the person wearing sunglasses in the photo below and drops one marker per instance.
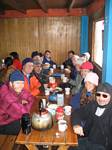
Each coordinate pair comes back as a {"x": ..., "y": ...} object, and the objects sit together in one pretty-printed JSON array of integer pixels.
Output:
[{"x": 93, "y": 122}]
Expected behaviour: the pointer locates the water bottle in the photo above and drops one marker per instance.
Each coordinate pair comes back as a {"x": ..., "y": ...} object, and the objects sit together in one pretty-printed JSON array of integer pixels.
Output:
[
  {"x": 26, "y": 123},
  {"x": 60, "y": 99}
]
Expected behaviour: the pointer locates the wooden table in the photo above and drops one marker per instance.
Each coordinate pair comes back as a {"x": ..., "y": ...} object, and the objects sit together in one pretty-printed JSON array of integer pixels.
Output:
[{"x": 50, "y": 137}]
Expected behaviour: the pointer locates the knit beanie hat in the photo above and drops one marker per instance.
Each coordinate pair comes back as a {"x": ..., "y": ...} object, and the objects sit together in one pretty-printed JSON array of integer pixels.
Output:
[
  {"x": 27, "y": 60},
  {"x": 34, "y": 53},
  {"x": 105, "y": 87},
  {"x": 87, "y": 55},
  {"x": 92, "y": 77},
  {"x": 16, "y": 76},
  {"x": 87, "y": 65}
]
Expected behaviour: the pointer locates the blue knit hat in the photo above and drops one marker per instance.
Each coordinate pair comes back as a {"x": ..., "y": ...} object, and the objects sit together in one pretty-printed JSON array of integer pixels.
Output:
[
  {"x": 16, "y": 76},
  {"x": 27, "y": 60}
]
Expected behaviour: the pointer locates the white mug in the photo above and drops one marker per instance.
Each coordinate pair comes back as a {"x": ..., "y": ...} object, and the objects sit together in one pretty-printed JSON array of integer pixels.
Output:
[
  {"x": 54, "y": 66},
  {"x": 47, "y": 91},
  {"x": 62, "y": 125},
  {"x": 67, "y": 110},
  {"x": 67, "y": 91},
  {"x": 51, "y": 80},
  {"x": 45, "y": 86},
  {"x": 62, "y": 76},
  {"x": 62, "y": 67},
  {"x": 65, "y": 79},
  {"x": 51, "y": 70}
]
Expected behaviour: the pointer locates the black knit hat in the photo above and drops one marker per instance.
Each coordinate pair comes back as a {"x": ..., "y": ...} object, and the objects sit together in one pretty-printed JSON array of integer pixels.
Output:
[
  {"x": 105, "y": 87},
  {"x": 34, "y": 53}
]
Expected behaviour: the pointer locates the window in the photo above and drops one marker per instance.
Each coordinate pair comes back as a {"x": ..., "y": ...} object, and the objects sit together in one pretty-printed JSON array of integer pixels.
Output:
[{"x": 98, "y": 43}]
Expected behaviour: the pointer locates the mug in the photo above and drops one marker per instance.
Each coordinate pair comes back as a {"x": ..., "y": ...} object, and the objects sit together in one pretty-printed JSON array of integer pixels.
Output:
[
  {"x": 67, "y": 110},
  {"x": 51, "y": 70},
  {"x": 62, "y": 76},
  {"x": 47, "y": 91},
  {"x": 65, "y": 79},
  {"x": 67, "y": 91},
  {"x": 45, "y": 86},
  {"x": 54, "y": 66},
  {"x": 62, "y": 125},
  {"x": 62, "y": 67},
  {"x": 51, "y": 80}
]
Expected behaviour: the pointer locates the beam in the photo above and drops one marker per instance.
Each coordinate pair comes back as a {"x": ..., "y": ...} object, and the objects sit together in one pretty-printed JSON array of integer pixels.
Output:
[
  {"x": 95, "y": 6},
  {"x": 40, "y": 13},
  {"x": 14, "y": 5},
  {"x": 71, "y": 5},
  {"x": 43, "y": 5}
]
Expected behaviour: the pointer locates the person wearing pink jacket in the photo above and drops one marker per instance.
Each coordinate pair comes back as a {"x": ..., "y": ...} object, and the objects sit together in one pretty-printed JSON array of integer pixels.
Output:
[{"x": 14, "y": 102}]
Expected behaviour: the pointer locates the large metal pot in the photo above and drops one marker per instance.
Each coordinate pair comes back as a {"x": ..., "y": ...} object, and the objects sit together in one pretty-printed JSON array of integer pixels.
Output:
[{"x": 42, "y": 120}]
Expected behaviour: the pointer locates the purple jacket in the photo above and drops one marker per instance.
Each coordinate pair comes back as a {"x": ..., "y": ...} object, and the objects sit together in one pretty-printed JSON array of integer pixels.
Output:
[{"x": 11, "y": 107}]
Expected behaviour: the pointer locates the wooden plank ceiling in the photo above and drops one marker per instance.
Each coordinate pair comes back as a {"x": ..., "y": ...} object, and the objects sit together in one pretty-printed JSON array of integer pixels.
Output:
[{"x": 23, "y": 6}]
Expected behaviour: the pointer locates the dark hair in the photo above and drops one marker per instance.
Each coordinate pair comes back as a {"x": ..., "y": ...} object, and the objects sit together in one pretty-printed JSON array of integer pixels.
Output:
[
  {"x": 34, "y": 53},
  {"x": 71, "y": 51},
  {"x": 40, "y": 54},
  {"x": 8, "y": 61},
  {"x": 15, "y": 55},
  {"x": 47, "y": 51}
]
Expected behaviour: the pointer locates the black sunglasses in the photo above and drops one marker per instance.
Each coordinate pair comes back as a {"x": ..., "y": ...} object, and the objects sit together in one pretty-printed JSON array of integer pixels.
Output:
[{"x": 103, "y": 95}]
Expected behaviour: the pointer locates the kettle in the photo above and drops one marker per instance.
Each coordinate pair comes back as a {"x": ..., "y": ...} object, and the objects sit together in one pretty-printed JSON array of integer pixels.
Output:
[{"x": 42, "y": 120}]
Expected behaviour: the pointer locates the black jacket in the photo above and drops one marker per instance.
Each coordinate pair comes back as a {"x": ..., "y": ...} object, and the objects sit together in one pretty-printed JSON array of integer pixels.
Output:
[{"x": 97, "y": 129}]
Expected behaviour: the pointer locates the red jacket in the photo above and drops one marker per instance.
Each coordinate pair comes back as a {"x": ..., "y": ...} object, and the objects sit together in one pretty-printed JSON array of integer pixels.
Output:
[
  {"x": 17, "y": 64},
  {"x": 11, "y": 107}
]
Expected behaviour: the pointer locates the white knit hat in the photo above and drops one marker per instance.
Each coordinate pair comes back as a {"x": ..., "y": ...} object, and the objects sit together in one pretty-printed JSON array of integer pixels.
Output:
[
  {"x": 92, "y": 77},
  {"x": 87, "y": 55}
]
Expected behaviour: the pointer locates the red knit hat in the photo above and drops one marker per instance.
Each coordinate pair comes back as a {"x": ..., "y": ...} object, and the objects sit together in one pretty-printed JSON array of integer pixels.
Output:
[{"x": 87, "y": 65}]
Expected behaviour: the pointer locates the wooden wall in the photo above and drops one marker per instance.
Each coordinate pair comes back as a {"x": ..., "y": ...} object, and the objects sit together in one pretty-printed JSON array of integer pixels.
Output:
[{"x": 24, "y": 35}]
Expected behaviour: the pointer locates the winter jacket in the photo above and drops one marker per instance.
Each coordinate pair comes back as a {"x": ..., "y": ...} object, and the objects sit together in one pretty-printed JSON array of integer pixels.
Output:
[
  {"x": 17, "y": 64},
  {"x": 98, "y": 129},
  {"x": 11, "y": 107},
  {"x": 45, "y": 60},
  {"x": 32, "y": 85}
]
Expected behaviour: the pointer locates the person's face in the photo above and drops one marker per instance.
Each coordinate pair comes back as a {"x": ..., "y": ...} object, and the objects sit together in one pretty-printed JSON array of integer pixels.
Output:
[
  {"x": 37, "y": 68},
  {"x": 48, "y": 55},
  {"x": 102, "y": 98},
  {"x": 36, "y": 58},
  {"x": 89, "y": 86},
  {"x": 84, "y": 72},
  {"x": 74, "y": 60},
  {"x": 17, "y": 86},
  {"x": 28, "y": 68},
  {"x": 70, "y": 55}
]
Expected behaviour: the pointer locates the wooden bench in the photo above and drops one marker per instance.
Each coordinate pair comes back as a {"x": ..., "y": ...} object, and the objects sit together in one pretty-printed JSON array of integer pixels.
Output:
[{"x": 7, "y": 142}]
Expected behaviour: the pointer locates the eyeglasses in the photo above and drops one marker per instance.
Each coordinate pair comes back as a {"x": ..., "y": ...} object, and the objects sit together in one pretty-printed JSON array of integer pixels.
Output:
[{"x": 103, "y": 95}]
